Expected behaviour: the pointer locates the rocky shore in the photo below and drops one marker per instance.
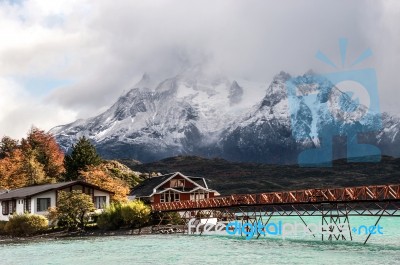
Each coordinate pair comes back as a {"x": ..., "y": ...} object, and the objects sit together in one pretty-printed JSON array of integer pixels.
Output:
[{"x": 55, "y": 235}]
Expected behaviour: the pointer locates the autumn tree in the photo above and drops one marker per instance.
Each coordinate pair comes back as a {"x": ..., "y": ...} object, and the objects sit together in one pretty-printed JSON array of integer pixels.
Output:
[
  {"x": 121, "y": 171},
  {"x": 98, "y": 176},
  {"x": 32, "y": 170},
  {"x": 11, "y": 171},
  {"x": 83, "y": 154},
  {"x": 46, "y": 151},
  {"x": 38, "y": 159}
]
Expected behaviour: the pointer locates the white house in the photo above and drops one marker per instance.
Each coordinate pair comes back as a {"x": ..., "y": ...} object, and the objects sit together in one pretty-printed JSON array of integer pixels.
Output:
[{"x": 37, "y": 199}]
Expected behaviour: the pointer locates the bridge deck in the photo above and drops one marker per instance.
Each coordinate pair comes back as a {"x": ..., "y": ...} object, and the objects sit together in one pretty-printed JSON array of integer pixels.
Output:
[{"x": 377, "y": 193}]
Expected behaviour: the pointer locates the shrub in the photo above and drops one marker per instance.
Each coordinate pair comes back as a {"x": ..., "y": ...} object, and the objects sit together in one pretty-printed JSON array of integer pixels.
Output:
[
  {"x": 26, "y": 224},
  {"x": 111, "y": 217},
  {"x": 164, "y": 218},
  {"x": 2, "y": 226},
  {"x": 135, "y": 213}
]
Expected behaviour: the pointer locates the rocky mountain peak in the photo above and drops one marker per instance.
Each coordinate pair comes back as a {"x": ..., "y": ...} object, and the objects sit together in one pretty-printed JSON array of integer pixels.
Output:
[
  {"x": 235, "y": 93},
  {"x": 146, "y": 82}
]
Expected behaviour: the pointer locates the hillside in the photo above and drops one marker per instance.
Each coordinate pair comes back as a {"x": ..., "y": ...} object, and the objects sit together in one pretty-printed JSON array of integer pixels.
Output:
[{"x": 230, "y": 177}]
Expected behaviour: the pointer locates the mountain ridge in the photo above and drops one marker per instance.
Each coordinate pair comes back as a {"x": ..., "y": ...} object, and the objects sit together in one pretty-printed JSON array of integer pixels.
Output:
[
  {"x": 197, "y": 114},
  {"x": 239, "y": 178}
]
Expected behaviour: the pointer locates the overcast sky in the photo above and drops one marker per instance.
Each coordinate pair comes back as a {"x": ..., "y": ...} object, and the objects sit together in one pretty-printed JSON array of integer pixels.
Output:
[{"x": 63, "y": 60}]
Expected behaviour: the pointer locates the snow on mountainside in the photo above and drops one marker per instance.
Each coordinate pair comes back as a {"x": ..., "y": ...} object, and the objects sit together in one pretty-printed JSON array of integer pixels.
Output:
[
  {"x": 211, "y": 115},
  {"x": 181, "y": 114}
]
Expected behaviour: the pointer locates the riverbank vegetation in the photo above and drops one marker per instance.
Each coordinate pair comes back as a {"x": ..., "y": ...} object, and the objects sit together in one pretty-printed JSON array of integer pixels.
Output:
[
  {"x": 38, "y": 159},
  {"x": 24, "y": 225},
  {"x": 75, "y": 213},
  {"x": 132, "y": 214}
]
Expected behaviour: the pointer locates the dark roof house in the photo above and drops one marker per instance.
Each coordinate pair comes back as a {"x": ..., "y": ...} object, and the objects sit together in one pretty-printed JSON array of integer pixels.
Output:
[
  {"x": 37, "y": 199},
  {"x": 159, "y": 189}
]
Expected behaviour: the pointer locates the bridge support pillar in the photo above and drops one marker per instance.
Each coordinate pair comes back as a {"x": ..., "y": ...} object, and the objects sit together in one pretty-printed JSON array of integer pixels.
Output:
[{"x": 335, "y": 222}]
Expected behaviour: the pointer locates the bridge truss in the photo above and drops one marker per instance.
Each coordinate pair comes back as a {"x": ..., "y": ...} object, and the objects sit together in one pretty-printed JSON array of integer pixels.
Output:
[{"x": 335, "y": 206}]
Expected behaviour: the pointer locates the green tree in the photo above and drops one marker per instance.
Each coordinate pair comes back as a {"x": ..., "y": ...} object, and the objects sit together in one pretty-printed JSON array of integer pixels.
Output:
[
  {"x": 135, "y": 213},
  {"x": 111, "y": 217},
  {"x": 72, "y": 209},
  {"x": 83, "y": 154},
  {"x": 7, "y": 146}
]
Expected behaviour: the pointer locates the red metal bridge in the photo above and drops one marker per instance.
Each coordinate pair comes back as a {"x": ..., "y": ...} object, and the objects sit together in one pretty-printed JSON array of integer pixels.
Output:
[
  {"x": 381, "y": 193},
  {"x": 335, "y": 205}
]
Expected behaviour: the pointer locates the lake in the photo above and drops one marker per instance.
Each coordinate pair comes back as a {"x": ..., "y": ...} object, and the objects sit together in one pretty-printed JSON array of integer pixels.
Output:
[{"x": 212, "y": 249}]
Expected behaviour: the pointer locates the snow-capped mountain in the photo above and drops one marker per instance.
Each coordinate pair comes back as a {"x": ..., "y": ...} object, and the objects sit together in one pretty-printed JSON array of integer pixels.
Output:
[
  {"x": 184, "y": 114},
  {"x": 211, "y": 115},
  {"x": 276, "y": 129}
]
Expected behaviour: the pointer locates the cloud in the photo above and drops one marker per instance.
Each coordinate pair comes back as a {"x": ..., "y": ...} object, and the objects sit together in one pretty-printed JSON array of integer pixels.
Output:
[
  {"x": 103, "y": 47},
  {"x": 18, "y": 112}
]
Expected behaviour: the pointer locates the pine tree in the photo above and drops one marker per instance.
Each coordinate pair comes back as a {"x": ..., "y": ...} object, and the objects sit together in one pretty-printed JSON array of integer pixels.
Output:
[{"x": 83, "y": 154}]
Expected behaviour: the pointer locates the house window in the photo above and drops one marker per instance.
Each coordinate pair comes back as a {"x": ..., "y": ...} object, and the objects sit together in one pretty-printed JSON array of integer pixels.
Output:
[
  {"x": 100, "y": 201},
  {"x": 170, "y": 196},
  {"x": 198, "y": 195},
  {"x": 43, "y": 204},
  {"x": 176, "y": 183},
  {"x": 4, "y": 207},
  {"x": 27, "y": 205},
  {"x": 12, "y": 205}
]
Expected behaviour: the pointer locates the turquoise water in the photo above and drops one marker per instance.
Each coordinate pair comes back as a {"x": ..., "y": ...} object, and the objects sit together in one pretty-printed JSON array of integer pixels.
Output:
[{"x": 212, "y": 249}]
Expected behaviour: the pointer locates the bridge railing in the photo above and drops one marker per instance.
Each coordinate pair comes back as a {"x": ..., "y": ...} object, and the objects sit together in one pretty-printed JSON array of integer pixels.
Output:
[{"x": 350, "y": 194}]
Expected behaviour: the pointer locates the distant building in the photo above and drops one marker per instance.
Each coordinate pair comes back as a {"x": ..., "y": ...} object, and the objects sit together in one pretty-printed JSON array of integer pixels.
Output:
[
  {"x": 37, "y": 199},
  {"x": 172, "y": 187}
]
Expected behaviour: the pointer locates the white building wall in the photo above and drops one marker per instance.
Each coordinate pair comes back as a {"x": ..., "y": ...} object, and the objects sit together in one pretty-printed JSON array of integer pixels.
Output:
[
  {"x": 50, "y": 194},
  {"x": 19, "y": 206},
  {"x": 2, "y": 217},
  {"x": 32, "y": 205}
]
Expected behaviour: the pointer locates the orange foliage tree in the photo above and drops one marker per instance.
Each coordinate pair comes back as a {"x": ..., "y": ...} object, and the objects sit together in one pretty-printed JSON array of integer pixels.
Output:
[
  {"x": 46, "y": 151},
  {"x": 38, "y": 159},
  {"x": 11, "y": 171},
  {"x": 97, "y": 175}
]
